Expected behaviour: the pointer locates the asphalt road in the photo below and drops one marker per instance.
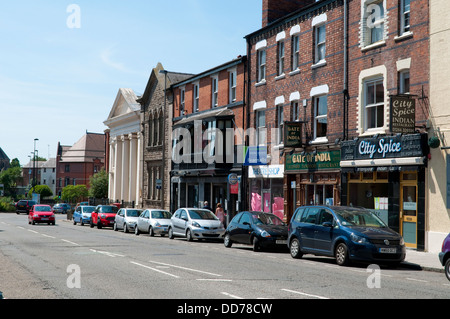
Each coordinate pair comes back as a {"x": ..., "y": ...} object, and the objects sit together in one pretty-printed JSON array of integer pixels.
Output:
[{"x": 76, "y": 262}]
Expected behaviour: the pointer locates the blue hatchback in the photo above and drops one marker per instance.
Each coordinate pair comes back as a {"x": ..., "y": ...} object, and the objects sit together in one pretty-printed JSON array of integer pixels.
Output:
[
  {"x": 82, "y": 215},
  {"x": 345, "y": 233}
]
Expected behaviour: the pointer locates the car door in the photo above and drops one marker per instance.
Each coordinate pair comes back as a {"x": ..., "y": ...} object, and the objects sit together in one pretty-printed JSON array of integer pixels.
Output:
[
  {"x": 308, "y": 228},
  {"x": 324, "y": 232},
  {"x": 119, "y": 218},
  {"x": 233, "y": 226},
  {"x": 244, "y": 229},
  {"x": 77, "y": 215},
  {"x": 143, "y": 221},
  {"x": 177, "y": 222}
]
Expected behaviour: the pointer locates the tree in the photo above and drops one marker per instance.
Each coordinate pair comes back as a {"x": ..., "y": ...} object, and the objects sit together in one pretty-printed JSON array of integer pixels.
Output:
[
  {"x": 99, "y": 185},
  {"x": 73, "y": 194},
  {"x": 9, "y": 178},
  {"x": 43, "y": 190}
]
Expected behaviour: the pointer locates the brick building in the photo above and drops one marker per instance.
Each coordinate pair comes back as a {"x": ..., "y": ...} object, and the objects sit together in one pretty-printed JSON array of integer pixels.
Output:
[
  {"x": 77, "y": 163},
  {"x": 384, "y": 158},
  {"x": 297, "y": 70},
  {"x": 205, "y": 107}
]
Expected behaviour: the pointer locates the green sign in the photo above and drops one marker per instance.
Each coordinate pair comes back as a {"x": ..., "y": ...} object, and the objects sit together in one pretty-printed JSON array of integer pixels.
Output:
[{"x": 313, "y": 162}]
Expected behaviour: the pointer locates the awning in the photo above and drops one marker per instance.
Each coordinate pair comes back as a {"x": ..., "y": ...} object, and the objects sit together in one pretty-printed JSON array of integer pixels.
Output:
[
  {"x": 402, "y": 161},
  {"x": 215, "y": 113}
]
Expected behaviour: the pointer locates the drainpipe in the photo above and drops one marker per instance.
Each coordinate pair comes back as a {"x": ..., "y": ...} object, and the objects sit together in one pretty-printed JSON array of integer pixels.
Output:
[{"x": 345, "y": 92}]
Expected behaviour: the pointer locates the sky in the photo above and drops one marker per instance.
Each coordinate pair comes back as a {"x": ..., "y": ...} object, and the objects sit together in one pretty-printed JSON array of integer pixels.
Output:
[{"x": 63, "y": 62}]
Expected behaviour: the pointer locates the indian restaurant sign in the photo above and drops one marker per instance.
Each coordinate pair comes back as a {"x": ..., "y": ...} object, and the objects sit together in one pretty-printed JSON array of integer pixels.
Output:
[{"x": 313, "y": 161}]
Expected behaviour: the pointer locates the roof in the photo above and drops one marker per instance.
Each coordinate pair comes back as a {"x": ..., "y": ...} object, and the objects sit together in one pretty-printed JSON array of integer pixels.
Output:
[
  {"x": 88, "y": 148},
  {"x": 125, "y": 108},
  {"x": 50, "y": 163}
]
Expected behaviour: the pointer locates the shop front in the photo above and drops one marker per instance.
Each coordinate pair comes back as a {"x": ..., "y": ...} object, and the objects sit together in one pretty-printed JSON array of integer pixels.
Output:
[
  {"x": 312, "y": 178},
  {"x": 387, "y": 176}
]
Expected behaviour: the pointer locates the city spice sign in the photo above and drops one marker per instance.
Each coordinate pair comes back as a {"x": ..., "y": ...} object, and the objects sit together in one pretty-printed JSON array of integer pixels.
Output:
[{"x": 403, "y": 115}]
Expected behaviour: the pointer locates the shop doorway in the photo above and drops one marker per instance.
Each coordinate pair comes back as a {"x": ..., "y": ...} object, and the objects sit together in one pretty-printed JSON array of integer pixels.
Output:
[{"x": 408, "y": 209}]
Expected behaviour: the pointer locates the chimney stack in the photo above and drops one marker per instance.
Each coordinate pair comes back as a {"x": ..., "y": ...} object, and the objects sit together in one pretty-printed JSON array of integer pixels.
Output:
[{"x": 276, "y": 9}]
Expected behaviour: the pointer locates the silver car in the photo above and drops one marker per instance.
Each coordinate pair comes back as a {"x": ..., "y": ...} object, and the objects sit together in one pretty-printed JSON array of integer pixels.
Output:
[
  {"x": 153, "y": 222},
  {"x": 126, "y": 219},
  {"x": 195, "y": 223}
]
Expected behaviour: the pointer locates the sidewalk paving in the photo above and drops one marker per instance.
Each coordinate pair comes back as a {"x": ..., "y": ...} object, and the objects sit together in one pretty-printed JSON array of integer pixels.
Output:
[{"x": 423, "y": 260}]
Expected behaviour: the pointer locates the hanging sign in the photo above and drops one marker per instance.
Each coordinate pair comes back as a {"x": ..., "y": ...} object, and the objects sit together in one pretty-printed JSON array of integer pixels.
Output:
[{"x": 403, "y": 115}]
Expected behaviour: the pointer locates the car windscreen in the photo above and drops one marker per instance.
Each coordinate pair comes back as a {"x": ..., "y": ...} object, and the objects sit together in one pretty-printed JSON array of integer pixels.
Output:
[
  {"x": 134, "y": 212},
  {"x": 88, "y": 209},
  {"x": 358, "y": 217},
  {"x": 266, "y": 219},
  {"x": 42, "y": 209},
  {"x": 160, "y": 214},
  {"x": 201, "y": 214},
  {"x": 109, "y": 209}
]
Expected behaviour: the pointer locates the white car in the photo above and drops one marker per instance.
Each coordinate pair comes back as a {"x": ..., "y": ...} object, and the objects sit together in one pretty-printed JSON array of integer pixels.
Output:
[
  {"x": 195, "y": 223},
  {"x": 126, "y": 219},
  {"x": 153, "y": 222}
]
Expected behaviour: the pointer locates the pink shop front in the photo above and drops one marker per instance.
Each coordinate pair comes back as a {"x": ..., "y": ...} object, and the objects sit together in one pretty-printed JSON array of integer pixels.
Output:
[{"x": 266, "y": 189}]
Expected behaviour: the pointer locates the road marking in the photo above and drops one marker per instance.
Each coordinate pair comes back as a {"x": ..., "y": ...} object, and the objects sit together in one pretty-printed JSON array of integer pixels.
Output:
[
  {"x": 231, "y": 296},
  {"x": 48, "y": 236},
  {"x": 304, "y": 294},
  {"x": 216, "y": 280},
  {"x": 184, "y": 268},
  {"x": 20, "y": 227},
  {"x": 419, "y": 280},
  {"x": 33, "y": 231},
  {"x": 70, "y": 242},
  {"x": 107, "y": 253},
  {"x": 154, "y": 269}
]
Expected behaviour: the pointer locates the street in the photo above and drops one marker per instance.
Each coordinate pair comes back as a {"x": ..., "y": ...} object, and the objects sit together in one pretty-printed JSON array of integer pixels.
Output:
[{"x": 69, "y": 261}]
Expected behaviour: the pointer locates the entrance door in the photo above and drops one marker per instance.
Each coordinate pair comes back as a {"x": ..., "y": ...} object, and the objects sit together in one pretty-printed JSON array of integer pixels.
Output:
[{"x": 408, "y": 213}]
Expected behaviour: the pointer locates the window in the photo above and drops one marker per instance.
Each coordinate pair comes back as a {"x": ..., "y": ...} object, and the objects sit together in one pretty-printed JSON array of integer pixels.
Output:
[
  {"x": 320, "y": 116},
  {"x": 261, "y": 65},
  {"x": 67, "y": 168},
  {"x": 405, "y": 10},
  {"x": 295, "y": 52},
  {"x": 374, "y": 103},
  {"x": 319, "y": 46},
  {"x": 232, "y": 80},
  {"x": 373, "y": 22},
  {"x": 182, "y": 100},
  {"x": 260, "y": 127},
  {"x": 196, "y": 99},
  {"x": 404, "y": 82},
  {"x": 215, "y": 92},
  {"x": 280, "y": 122},
  {"x": 280, "y": 58},
  {"x": 295, "y": 111}
]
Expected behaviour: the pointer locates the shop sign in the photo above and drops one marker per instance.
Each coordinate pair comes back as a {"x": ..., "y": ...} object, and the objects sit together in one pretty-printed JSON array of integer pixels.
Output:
[
  {"x": 267, "y": 171},
  {"x": 383, "y": 147},
  {"x": 313, "y": 162},
  {"x": 403, "y": 115},
  {"x": 233, "y": 182},
  {"x": 256, "y": 155},
  {"x": 292, "y": 134}
]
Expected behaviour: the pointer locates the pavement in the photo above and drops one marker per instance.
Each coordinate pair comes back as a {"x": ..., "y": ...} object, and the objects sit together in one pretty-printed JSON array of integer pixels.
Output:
[{"x": 423, "y": 260}]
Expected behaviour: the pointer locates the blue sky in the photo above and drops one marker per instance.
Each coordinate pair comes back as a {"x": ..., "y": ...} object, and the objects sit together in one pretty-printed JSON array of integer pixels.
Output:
[{"x": 57, "y": 82}]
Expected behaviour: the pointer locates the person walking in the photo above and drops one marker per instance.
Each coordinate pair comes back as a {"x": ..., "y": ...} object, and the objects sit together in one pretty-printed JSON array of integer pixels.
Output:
[{"x": 220, "y": 213}]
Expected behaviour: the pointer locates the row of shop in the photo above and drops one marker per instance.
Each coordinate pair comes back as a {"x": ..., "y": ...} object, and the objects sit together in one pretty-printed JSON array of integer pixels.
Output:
[{"x": 383, "y": 174}]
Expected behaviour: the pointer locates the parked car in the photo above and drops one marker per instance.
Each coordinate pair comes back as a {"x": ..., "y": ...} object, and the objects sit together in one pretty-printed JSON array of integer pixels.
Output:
[
  {"x": 262, "y": 230},
  {"x": 61, "y": 208},
  {"x": 24, "y": 206},
  {"x": 82, "y": 215},
  {"x": 346, "y": 233},
  {"x": 195, "y": 223},
  {"x": 153, "y": 222},
  {"x": 444, "y": 256},
  {"x": 126, "y": 219},
  {"x": 41, "y": 214},
  {"x": 103, "y": 216}
]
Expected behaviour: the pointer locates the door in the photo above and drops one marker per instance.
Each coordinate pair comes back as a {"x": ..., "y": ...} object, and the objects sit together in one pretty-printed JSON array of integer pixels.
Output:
[
  {"x": 408, "y": 213},
  {"x": 266, "y": 201},
  {"x": 324, "y": 234},
  {"x": 308, "y": 228}
]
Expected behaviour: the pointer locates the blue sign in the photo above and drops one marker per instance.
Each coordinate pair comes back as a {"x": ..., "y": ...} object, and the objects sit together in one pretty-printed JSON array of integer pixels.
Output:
[{"x": 255, "y": 156}]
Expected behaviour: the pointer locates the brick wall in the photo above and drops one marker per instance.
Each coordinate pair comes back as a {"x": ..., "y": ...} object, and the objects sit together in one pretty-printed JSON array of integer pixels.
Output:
[{"x": 276, "y": 9}]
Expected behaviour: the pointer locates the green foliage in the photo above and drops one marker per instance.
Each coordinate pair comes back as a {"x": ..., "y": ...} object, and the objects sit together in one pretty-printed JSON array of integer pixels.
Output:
[
  {"x": 43, "y": 190},
  {"x": 6, "y": 204},
  {"x": 74, "y": 194},
  {"x": 99, "y": 185},
  {"x": 10, "y": 178}
]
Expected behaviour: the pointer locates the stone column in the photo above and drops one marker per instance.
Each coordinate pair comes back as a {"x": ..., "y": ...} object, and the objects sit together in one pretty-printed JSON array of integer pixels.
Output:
[
  {"x": 125, "y": 167},
  {"x": 112, "y": 166},
  {"x": 139, "y": 171},
  {"x": 133, "y": 168},
  {"x": 118, "y": 169}
]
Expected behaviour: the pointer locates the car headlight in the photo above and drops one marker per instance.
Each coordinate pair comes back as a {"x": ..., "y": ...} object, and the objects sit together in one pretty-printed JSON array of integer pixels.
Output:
[
  {"x": 358, "y": 239},
  {"x": 157, "y": 224},
  {"x": 195, "y": 224},
  {"x": 36, "y": 215},
  {"x": 402, "y": 241},
  {"x": 103, "y": 216},
  {"x": 265, "y": 234}
]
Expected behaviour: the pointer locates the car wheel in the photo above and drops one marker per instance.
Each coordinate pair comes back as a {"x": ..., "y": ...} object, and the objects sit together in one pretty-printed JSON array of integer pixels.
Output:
[
  {"x": 227, "y": 241},
  {"x": 151, "y": 233},
  {"x": 81, "y": 222},
  {"x": 189, "y": 235},
  {"x": 294, "y": 249},
  {"x": 91, "y": 225},
  {"x": 341, "y": 254},
  {"x": 136, "y": 230},
  {"x": 99, "y": 225},
  {"x": 256, "y": 244},
  {"x": 74, "y": 222},
  {"x": 447, "y": 268},
  {"x": 170, "y": 233},
  {"x": 115, "y": 227},
  {"x": 125, "y": 228}
]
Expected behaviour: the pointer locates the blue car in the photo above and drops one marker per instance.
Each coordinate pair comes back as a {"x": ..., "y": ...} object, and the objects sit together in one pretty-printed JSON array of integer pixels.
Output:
[
  {"x": 82, "y": 215},
  {"x": 345, "y": 233}
]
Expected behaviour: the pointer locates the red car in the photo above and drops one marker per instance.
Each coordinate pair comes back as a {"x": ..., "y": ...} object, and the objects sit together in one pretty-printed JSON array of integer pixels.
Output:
[
  {"x": 41, "y": 214},
  {"x": 103, "y": 216}
]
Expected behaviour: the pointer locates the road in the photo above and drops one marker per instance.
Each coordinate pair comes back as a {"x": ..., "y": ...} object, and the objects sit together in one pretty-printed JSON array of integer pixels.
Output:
[{"x": 69, "y": 261}]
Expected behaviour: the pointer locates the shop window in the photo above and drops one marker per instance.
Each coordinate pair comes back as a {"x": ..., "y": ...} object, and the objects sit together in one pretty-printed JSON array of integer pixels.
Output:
[
  {"x": 409, "y": 176},
  {"x": 367, "y": 176}
]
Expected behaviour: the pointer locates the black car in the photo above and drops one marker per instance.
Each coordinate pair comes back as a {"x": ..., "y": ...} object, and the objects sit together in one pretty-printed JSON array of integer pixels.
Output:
[
  {"x": 24, "y": 206},
  {"x": 262, "y": 230}
]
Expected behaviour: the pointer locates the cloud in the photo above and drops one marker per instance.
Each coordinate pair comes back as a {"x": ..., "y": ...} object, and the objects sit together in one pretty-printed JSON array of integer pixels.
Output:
[{"x": 106, "y": 57}]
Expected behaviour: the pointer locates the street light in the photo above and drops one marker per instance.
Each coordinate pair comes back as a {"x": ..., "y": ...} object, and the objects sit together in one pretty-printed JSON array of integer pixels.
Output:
[{"x": 34, "y": 165}]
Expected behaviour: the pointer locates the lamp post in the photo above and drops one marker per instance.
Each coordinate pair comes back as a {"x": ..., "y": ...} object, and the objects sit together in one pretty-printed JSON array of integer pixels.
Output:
[
  {"x": 34, "y": 165},
  {"x": 164, "y": 139}
]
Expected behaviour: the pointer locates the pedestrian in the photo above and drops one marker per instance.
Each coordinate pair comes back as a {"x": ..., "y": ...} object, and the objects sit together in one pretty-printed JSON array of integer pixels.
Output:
[
  {"x": 206, "y": 206},
  {"x": 220, "y": 213}
]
